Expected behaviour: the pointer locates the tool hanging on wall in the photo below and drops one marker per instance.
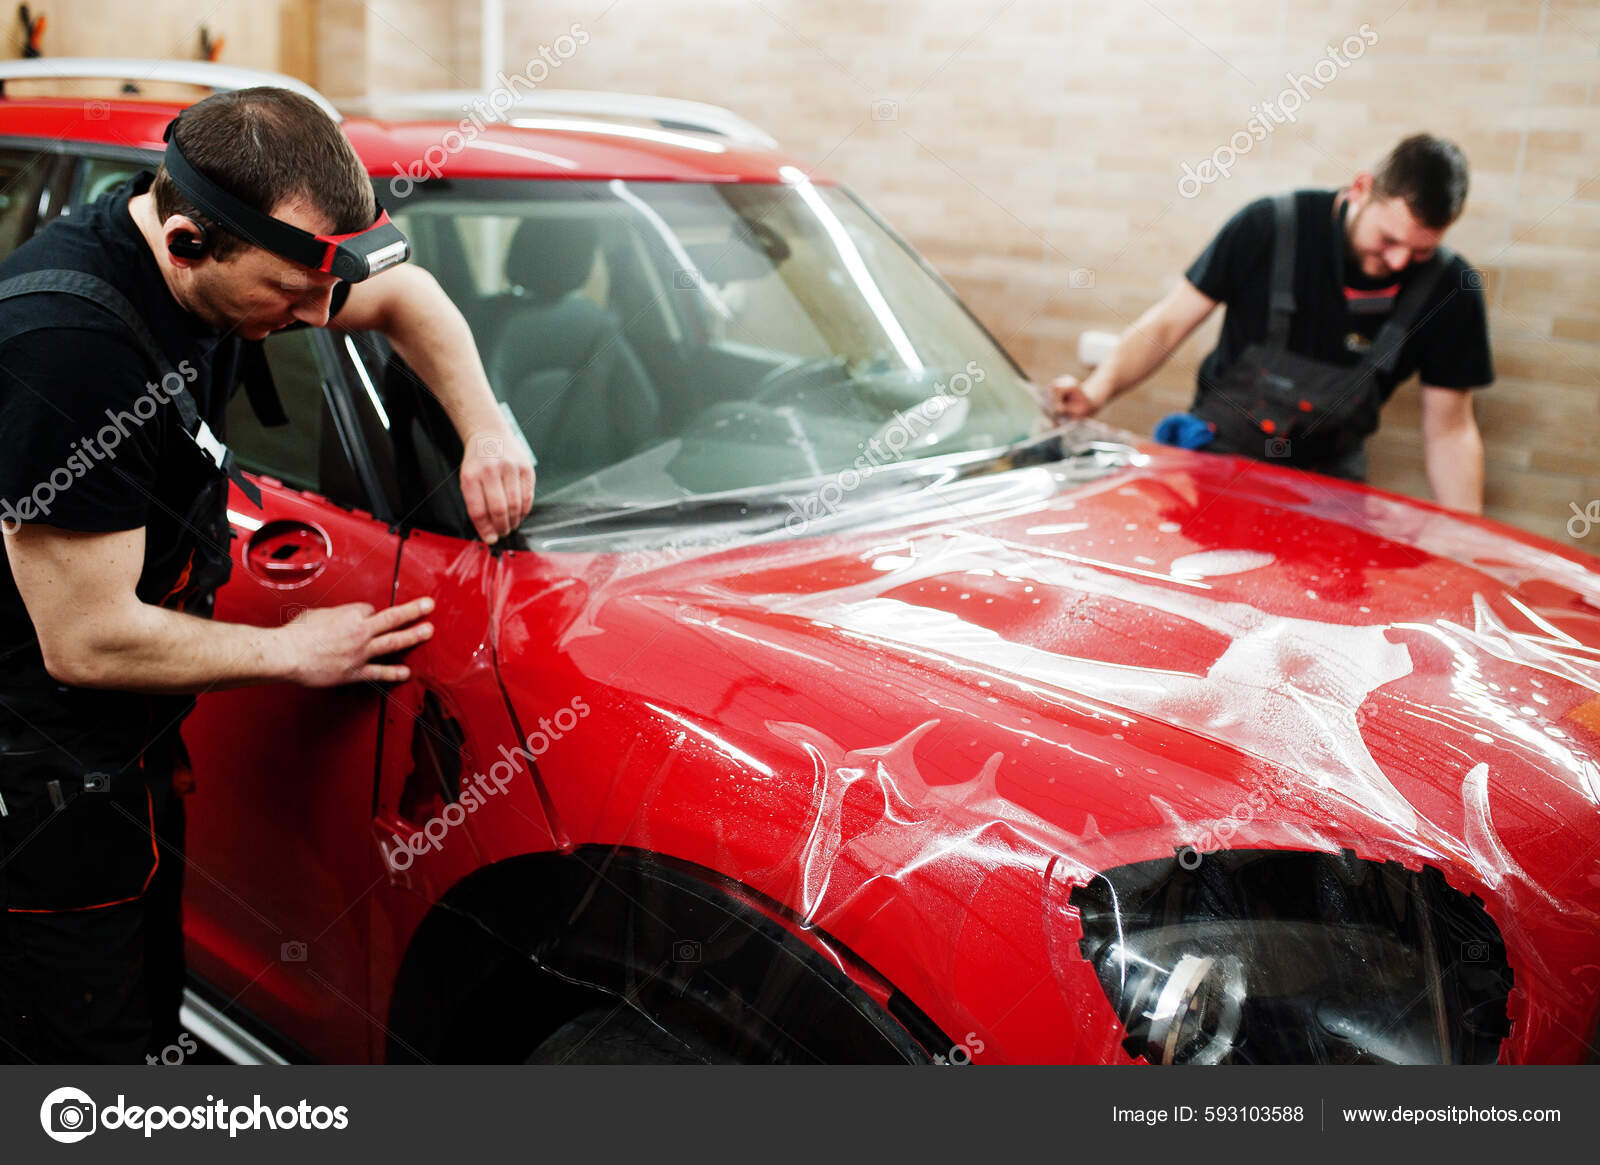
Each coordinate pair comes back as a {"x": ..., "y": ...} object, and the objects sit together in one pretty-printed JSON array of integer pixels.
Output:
[
  {"x": 210, "y": 50},
  {"x": 32, "y": 31}
]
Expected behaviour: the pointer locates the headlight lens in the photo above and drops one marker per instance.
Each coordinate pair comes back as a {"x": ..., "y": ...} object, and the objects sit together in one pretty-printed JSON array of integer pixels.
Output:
[{"x": 1273, "y": 957}]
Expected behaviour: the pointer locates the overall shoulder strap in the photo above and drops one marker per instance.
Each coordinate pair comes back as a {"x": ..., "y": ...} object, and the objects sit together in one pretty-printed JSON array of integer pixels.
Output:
[
  {"x": 93, "y": 289},
  {"x": 1280, "y": 302},
  {"x": 97, "y": 291},
  {"x": 1391, "y": 338}
]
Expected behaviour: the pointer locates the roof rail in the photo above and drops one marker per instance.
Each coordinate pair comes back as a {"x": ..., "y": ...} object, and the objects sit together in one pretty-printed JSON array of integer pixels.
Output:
[
  {"x": 217, "y": 78},
  {"x": 667, "y": 112}
]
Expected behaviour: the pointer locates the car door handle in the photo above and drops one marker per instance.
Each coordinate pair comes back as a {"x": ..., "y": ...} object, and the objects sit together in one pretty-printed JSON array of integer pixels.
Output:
[{"x": 287, "y": 553}]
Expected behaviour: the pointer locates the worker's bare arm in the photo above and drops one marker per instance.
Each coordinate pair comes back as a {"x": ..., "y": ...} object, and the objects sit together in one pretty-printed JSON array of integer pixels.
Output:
[
  {"x": 409, "y": 307},
  {"x": 1140, "y": 350},
  {"x": 94, "y": 631},
  {"x": 1452, "y": 448}
]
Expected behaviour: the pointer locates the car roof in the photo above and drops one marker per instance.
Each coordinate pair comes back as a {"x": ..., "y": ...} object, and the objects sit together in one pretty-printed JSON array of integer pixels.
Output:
[{"x": 541, "y": 147}]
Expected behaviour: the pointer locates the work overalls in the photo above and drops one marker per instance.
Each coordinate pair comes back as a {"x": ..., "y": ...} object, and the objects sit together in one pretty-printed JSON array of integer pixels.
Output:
[
  {"x": 91, "y": 828},
  {"x": 1274, "y": 404}
]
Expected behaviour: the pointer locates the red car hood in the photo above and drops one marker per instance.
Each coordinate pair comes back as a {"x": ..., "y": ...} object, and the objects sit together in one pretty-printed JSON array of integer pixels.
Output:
[{"x": 1198, "y": 650}]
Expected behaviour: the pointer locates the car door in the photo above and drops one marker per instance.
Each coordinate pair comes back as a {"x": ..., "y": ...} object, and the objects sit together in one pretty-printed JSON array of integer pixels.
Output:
[{"x": 279, "y": 871}]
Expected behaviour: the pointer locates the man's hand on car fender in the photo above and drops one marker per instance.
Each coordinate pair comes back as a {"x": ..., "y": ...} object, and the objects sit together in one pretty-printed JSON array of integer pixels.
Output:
[
  {"x": 337, "y": 645},
  {"x": 497, "y": 481}
]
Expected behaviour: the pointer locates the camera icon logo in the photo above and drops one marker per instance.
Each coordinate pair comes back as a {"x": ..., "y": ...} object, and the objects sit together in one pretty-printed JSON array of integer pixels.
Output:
[
  {"x": 1080, "y": 277},
  {"x": 685, "y": 279},
  {"x": 96, "y": 111},
  {"x": 885, "y": 110},
  {"x": 1472, "y": 280},
  {"x": 1475, "y": 952},
  {"x": 1278, "y": 447},
  {"x": 67, "y": 1115},
  {"x": 490, "y": 448},
  {"x": 685, "y": 951},
  {"x": 292, "y": 952}
]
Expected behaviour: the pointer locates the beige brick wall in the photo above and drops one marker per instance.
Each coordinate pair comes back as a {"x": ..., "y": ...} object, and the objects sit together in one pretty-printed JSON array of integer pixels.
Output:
[
  {"x": 1016, "y": 142},
  {"x": 260, "y": 34}
]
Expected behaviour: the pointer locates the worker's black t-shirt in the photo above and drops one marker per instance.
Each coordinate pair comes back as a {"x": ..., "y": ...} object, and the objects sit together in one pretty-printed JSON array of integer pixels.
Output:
[
  {"x": 1449, "y": 347},
  {"x": 57, "y": 384},
  {"x": 62, "y": 386}
]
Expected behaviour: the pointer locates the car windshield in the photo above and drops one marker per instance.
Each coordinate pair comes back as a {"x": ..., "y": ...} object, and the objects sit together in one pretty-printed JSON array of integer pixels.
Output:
[{"x": 658, "y": 341}]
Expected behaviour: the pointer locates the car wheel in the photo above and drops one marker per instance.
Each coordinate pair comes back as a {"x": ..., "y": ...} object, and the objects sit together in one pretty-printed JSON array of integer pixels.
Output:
[
  {"x": 620, "y": 1035},
  {"x": 561, "y": 957}
]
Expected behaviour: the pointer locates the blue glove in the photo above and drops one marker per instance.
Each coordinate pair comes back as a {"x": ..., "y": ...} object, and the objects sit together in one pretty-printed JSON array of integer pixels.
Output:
[{"x": 1184, "y": 430}]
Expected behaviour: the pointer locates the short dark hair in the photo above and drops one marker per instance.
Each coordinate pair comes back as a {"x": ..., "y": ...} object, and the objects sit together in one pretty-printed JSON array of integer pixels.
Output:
[
  {"x": 266, "y": 146},
  {"x": 1430, "y": 174}
]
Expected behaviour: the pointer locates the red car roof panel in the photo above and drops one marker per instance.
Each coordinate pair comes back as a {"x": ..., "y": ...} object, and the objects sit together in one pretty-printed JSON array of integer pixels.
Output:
[{"x": 440, "y": 148}]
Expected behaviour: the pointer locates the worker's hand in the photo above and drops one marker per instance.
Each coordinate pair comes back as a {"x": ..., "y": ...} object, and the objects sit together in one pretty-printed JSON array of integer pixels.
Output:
[
  {"x": 496, "y": 481},
  {"x": 1072, "y": 401},
  {"x": 336, "y": 645}
]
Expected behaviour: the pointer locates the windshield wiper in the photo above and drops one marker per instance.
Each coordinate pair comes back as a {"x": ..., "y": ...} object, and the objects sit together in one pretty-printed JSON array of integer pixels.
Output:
[{"x": 758, "y": 506}]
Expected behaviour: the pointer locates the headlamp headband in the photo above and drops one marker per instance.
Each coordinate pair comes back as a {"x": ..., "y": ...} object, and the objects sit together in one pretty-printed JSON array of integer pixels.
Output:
[{"x": 352, "y": 257}]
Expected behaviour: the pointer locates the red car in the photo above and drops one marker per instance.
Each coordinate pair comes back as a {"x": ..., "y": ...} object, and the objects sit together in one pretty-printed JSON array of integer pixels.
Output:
[{"x": 831, "y": 705}]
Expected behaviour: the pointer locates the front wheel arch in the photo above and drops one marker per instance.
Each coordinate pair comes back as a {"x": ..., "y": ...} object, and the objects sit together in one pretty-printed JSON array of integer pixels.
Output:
[{"x": 517, "y": 949}]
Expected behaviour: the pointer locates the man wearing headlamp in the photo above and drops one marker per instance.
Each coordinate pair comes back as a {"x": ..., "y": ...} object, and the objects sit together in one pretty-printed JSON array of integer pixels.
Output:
[{"x": 261, "y": 218}]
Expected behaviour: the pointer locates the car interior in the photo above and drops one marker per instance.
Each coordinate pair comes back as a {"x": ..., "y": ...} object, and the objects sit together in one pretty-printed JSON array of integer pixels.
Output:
[{"x": 661, "y": 340}]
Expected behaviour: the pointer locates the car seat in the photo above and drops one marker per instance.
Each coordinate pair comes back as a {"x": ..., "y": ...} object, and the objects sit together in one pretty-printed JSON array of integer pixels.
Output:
[{"x": 561, "y": 361}]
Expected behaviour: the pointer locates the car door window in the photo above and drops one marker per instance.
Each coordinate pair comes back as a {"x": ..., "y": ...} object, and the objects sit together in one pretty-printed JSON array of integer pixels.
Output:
[
  {"x": 22, "y": 174},
  {"x": 98, "y": 176},
  {"x": 292, "y": 453}
]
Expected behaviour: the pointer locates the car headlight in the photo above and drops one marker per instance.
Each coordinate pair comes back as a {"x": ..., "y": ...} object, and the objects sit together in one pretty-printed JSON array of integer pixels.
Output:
[{"x": 1278, "y": 957}]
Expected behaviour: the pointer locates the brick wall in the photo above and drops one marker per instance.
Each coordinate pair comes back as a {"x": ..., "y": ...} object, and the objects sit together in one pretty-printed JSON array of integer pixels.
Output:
[{"x": 260, "y": 34}]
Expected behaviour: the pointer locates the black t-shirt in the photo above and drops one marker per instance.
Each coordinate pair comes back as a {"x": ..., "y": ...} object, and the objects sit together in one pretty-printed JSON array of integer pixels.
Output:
[
  {"x": 1336, "y": 319},
  {"x": 57, "y": 385},
  {"x": 89, "y": 382}
]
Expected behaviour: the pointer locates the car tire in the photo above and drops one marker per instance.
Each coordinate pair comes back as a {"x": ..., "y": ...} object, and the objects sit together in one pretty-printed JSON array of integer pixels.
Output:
[
  {"x": 542, "y": 960},
  {"x": 620, "y": 1035}
]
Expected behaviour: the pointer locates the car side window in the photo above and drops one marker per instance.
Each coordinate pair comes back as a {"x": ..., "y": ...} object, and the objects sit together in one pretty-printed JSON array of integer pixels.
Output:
[
  {"x": 292, "y": 453},
  {"x": 96, "y": 176},
  {"x": 22, "y": 174}
]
